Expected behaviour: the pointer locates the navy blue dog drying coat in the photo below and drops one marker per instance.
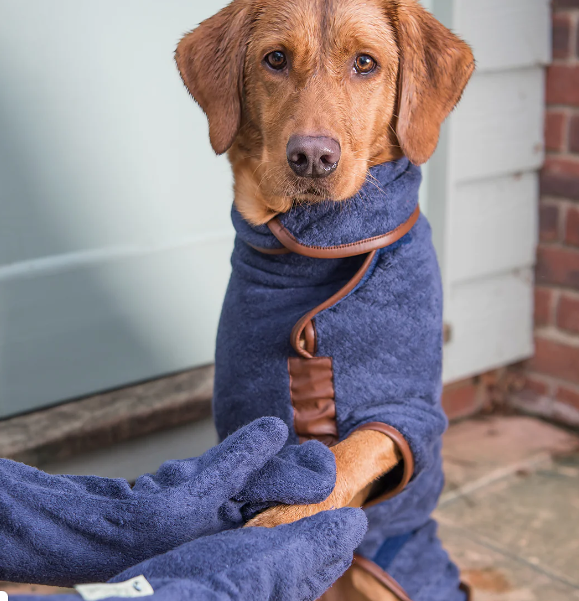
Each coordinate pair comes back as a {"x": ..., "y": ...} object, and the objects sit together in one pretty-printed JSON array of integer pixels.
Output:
[{"x": 333, "y": 322}]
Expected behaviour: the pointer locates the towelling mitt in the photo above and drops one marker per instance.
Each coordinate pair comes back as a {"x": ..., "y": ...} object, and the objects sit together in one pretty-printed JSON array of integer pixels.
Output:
[
  {"x": 295, "y": 562},
  {"x": 72, "y": 529},
  {"x": 332, "y": 321}
]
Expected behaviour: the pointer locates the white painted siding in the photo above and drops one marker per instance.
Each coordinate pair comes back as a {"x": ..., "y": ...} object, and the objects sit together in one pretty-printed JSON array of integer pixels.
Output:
[
  {"x": 483, "y": 184},
  {"x": 492, "y": 227},
  {"x": 505, "y": 34},
  {"x": 114, "y": 213},
  {"x": 498, "y": 127},
  {"x": 490, "y": 320}
]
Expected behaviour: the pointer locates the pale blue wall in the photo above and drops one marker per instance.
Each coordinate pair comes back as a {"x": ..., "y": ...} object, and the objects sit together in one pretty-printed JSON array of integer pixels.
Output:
[{"x": 114, "y": 212}]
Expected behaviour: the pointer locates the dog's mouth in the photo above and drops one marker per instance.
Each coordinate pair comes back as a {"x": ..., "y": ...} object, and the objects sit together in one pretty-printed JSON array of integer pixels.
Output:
[
  {"x": 315, "y": 192},
  {"x": 312, "y": 194}
]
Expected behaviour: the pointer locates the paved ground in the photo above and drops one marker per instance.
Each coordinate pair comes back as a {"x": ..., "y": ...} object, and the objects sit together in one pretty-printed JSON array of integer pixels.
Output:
[{"x": 510, "y": 511}]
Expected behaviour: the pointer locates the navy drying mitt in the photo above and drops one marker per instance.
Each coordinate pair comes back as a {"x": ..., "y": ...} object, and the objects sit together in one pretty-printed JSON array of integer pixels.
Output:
[{"x": 71, "y": 529}]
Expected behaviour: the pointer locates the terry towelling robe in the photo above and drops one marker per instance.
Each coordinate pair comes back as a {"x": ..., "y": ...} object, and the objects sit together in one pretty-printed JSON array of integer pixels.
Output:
[{"x": 332, "y": 321}]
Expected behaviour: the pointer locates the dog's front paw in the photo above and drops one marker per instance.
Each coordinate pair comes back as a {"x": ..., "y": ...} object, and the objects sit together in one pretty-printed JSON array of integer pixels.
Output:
[{"x": 284, "y": 514}]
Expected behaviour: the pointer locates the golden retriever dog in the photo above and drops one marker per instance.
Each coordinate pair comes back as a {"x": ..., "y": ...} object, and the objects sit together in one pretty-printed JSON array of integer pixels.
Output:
[{"x": 305, "y": 96}]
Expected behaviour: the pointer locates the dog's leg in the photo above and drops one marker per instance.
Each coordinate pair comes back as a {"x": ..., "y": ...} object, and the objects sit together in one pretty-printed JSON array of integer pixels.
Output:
[{"x": 360, "y": 460}]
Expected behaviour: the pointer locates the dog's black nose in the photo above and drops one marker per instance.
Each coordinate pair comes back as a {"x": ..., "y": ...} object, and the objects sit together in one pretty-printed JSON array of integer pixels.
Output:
[{"x": 313, "y": 156}]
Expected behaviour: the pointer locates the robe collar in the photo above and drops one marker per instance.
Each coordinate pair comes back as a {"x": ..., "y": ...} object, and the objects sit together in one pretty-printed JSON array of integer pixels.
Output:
[{"x": 380, "y": 214}]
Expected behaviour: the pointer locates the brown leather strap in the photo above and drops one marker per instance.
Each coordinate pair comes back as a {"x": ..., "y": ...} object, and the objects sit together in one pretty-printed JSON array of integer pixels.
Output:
[
  {"x": 305, "y": 321},
  {"x": 466, "y": 588},
  {"x": 391, "y": 584},
  {"x": 342, "y": 250},
  {"x": 407, "y": 457},
  {"x": 382, "y": 577},
  {"x": 379, "y": 242}
]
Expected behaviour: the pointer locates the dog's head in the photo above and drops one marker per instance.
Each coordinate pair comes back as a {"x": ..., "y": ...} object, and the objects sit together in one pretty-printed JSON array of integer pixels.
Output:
[{"x": 308, "y": 94}]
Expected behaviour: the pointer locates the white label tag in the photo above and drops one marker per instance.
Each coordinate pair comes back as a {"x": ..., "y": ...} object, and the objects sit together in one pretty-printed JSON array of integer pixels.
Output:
[{"x": 135, "y": 587}]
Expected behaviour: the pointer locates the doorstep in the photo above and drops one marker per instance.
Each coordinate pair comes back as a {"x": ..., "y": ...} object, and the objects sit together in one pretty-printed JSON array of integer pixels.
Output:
[{"x": 66, "y": 430}]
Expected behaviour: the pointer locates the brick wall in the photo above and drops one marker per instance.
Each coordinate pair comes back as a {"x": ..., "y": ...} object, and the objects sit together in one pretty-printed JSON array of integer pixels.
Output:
[{"x": 552, "y": 387}]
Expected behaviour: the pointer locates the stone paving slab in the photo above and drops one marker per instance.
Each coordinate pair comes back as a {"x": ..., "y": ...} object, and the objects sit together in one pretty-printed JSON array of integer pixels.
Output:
[
  {"x": 479, "y": 451},
  {"x": 510, "y": 512},
  {"x": 132, "y": 458},
  {"x": 96, "y": 422},
  {"x": 530, "y": 516},
  {"x": 497, "y": 577}
]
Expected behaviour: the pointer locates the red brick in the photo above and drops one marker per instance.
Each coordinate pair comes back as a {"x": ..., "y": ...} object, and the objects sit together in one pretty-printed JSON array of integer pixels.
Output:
[
  {"x": 561, "y": 35},
  {"x": 563, "y": 85},
  {"x": 555, "y": 122},
  {"x": 566, "y": 166},
  {"x": 556, "y": 359},
  {"x": 557, "y": 4},
  {"x": 568, "y": 396},
  {"x": 560, "y": 177},
  {"x": 463, "y": 398},
  {"x": 568, "y": 314},
  {"x": 543, "y": 306},
  {"x": 573, "y": 134},
  {"x": 558, "y": 266},
  {"x": 572, "y": 227},
  {"x": 548, "y": 223},
  {"x": 536, "y": 385}
]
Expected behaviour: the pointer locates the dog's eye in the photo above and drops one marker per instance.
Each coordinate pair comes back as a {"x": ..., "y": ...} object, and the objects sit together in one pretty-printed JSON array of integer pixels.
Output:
[
  {"x": 276, "y": 60},
  {"x": 365, "y": 64}
]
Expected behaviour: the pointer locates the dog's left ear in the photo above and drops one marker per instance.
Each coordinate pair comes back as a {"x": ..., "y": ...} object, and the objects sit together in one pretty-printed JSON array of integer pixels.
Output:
[
  {"x": 210, "y": 60},
  {"x": 435, "y": 66}
]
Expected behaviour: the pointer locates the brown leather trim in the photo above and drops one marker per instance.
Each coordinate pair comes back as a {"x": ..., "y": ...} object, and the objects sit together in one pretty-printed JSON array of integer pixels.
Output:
[
  {"x": 385, "y": 579},
  {"x": 466, "y": 588},
  {"x": 342, "y": 250},
  {"x": 407, "y": 457},
  {"x": 312, "y": 378},
  {"x": 310, "y": 337},
  {"x": 302, "y": 324},
  {"x": 271, "y": 251},
  {"x": 313, "y": 398},
  {"x": 382, "y": 577}
]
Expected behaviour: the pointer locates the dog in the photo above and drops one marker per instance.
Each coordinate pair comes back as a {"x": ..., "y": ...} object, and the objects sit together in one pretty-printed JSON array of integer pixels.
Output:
[{"x": 333, "y": 319}]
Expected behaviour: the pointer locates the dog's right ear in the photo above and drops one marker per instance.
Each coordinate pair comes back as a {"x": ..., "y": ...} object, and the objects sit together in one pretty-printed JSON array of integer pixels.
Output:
[{"x": 210, "y": 60}]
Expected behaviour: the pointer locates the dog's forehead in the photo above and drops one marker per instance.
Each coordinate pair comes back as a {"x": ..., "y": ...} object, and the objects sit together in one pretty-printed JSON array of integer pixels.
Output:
[{"x": 324, "y": 24}]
